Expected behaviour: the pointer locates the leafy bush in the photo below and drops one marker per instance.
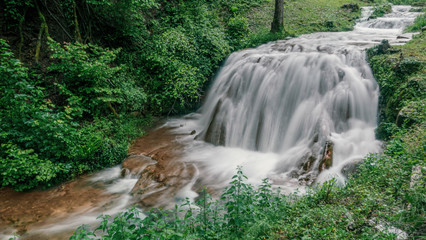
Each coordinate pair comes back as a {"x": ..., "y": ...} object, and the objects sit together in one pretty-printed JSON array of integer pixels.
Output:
[
  {"x": 15, "y": 10},
  {"x": 419, "y": 23},
  {"x": 25, "y": 118},
  {"x": 43, "y": 143},
  {"x": 380, "y": 9},
  {"x": 92, "y": 86},
  {"x": 237, "y": 28},
  {"x": 23, "y": 169},
  {"x": 176, "y": 60},
  {"x": 118, "y": 23}
]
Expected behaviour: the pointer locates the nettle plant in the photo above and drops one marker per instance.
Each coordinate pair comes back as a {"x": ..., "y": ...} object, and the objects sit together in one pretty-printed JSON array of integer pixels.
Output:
[{"x": 243, "y": 212}]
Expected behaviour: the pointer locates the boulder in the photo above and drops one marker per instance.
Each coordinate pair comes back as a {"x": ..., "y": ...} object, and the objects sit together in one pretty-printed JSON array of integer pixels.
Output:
[
  {"x": 135, "y": 164},
  {"x": 350, "y": 168},
  {"x": 158, "y": 155},
  {"x": 327, "y": 158},
  {"x": 383, "y": 226},
  {"x": 352, "y": 7}
]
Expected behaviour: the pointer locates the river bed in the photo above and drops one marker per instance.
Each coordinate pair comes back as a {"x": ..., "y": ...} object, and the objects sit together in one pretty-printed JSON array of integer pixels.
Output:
[{"x": 296, "y": 111}]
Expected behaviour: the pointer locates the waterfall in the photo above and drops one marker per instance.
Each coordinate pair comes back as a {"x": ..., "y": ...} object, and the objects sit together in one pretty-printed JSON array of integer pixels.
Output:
[{"x": 295, "y": 111}]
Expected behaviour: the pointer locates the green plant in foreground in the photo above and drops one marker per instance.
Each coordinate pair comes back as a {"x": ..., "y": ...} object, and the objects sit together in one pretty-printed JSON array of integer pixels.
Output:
[{"x": 379, "y": 191}]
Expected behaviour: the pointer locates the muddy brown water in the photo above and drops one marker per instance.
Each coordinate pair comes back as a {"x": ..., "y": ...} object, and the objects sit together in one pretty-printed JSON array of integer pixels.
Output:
[
  {"x": 294, "y": 111},
  {"x": 56, "y": 213}
]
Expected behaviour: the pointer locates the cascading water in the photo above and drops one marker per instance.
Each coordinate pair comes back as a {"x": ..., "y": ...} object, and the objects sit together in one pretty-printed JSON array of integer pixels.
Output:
[{"x": 292, "y": 110}]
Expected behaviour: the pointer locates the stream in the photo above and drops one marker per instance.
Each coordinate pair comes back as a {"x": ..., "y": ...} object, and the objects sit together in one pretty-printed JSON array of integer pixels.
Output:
[{"x": 297, "y": 111}]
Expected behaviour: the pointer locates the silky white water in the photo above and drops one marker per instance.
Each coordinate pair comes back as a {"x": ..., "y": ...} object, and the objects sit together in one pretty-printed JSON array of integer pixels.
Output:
[
  {"x": 271, "y": 110},
  {"x": 274, "y": 108}
]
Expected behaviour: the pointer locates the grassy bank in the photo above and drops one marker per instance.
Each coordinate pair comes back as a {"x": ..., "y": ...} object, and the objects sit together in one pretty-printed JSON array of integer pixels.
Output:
[
  {"x": 301, "y": 17},
  {"x": 76, "y": 108}
]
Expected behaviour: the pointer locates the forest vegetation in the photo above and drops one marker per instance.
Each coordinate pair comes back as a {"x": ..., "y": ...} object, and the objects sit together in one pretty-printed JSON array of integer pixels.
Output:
[{"x": 80, "y": 79}]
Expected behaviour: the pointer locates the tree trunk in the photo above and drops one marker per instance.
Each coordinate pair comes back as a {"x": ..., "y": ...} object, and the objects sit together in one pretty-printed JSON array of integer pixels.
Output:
[
  {"x": 278, "y": 21},
  {"x": 77, "y": 29},
  {"x": 113, "y": 110},
  {"x": 21, "y": 34},
  {"x": 43, "y": 28}
]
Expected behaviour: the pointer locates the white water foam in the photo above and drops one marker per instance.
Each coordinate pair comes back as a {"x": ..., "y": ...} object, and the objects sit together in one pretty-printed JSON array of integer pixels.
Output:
[
  {"x": 278, "y": 103},
  {"x": 272, "y": 107}
]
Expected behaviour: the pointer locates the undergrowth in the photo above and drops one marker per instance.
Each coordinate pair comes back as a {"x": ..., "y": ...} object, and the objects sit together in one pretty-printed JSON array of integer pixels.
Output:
[
  {"x": 126, "y": 58},
  {"x": 383, "y": 199},
  {"x": 45, "y": 141},
  {"x": 376, "y": 199},
  {"x": 419, "y": 23}
]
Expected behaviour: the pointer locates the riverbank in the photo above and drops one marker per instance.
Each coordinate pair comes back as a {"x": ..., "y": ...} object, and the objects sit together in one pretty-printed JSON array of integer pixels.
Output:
[
  {"x": 71, "y": 107},
  {"x": 382, "y": 199},
  {"x": 328, "y": 203}
]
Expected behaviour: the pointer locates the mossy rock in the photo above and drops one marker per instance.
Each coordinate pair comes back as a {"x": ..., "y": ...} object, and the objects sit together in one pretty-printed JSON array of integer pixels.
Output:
[
  {"x": 352, "y": 7},
  {"x": 409, "y": 66},
  {"x": 413, "y": 113},
  {"x": 383, "y": 48},
  {"x": 386, "y": 130}
]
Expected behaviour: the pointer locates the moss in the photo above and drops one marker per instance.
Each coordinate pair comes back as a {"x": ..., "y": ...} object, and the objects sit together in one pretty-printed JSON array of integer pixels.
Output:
[
  {"x": 419, "y": 22},
  {"x": 381, "y": 10},
  {"x": 400, "y": 73}
]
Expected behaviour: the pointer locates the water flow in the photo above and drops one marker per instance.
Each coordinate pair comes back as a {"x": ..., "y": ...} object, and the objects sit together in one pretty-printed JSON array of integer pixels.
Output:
[
  {"x": 115, "y": 199},
  {"x": 280, "y": 111},
  {"x": 293, "y": 110}
]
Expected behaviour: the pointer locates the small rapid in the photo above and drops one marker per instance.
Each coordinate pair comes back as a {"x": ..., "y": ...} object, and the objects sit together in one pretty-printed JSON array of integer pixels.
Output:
[{"x": 60, "y": 211}]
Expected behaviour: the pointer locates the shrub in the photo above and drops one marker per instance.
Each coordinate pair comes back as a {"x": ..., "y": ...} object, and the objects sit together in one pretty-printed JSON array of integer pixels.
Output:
[
  {"x": 23, "y": 169},
  {"x": 92, "y": 86},
  {"x": 237, "y": 29},
  {"x": 381, "y": 8},
  {"x": 419, "y": 23},
  {"x": 43, "y": 143}
]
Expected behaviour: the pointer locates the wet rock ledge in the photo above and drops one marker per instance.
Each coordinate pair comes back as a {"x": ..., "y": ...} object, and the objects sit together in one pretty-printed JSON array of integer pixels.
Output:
[{"x": 156, "y": 159}]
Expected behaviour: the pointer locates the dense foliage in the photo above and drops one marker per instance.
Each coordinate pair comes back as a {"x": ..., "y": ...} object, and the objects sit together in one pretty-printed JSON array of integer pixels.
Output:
[
  {"x": 78, "y": 106},
  {"x": 90, "y": 69},
  {"x": 381, "y": 199},
  {"x": 400, "y": 72},
  {"x": 43, "y": 143}
]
